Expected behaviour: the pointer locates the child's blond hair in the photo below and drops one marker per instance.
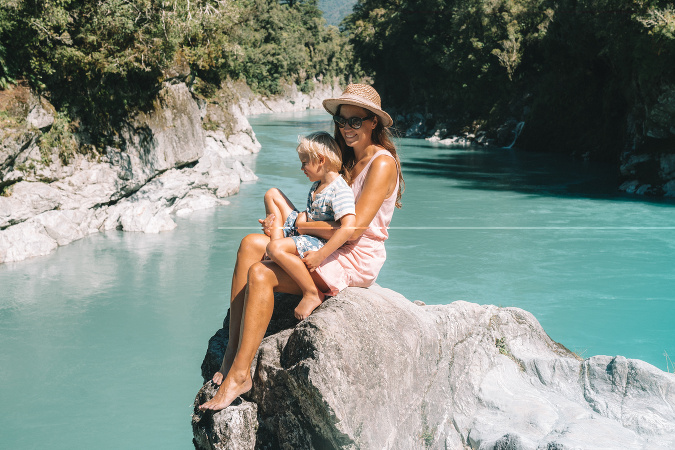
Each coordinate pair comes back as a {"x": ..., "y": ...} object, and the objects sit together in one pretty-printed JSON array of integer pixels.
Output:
[{"x": 321, "y": 144}]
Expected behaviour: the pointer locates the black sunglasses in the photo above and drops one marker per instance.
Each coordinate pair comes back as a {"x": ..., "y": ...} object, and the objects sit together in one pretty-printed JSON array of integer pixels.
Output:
[{"x": 354, "y": 122}]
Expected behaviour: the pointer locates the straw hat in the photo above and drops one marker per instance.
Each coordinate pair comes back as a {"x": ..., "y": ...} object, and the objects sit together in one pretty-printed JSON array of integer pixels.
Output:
[{"x": 359, "y": 95}]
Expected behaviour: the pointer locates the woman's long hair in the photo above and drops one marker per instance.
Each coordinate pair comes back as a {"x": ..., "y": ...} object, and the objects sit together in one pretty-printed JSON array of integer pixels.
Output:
[{"x": 381, "y": 136}]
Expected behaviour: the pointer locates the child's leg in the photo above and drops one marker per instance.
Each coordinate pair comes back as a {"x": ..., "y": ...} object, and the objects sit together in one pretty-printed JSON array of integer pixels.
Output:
[
  {"x": 285, "y": 254},
  {"x": 278, "y": 204}
]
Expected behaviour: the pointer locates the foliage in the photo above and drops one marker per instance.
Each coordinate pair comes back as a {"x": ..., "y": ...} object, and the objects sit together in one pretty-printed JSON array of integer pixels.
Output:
[
  {"x": 6, "y": 25},
  {"x": 581, "y": 66},
  {"x": 287, "y": 43},
  {"x": 437, "y": 52},
  {"x": 105, "y": 58},
  {"x": 99, "y": 60},
  {"x": 60, "y": 138}
]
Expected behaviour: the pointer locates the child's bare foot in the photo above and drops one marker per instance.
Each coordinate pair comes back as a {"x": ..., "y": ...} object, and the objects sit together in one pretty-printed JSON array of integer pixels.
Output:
[
  {"x": 228, "y": 391},
  {"x": 308, "y": 304}
]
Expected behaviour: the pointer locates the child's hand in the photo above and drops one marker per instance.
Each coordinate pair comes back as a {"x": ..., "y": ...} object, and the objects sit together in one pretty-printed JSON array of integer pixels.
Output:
[
  {"x": 267, "y": 223},
  {"x": 313, "y": 259}
]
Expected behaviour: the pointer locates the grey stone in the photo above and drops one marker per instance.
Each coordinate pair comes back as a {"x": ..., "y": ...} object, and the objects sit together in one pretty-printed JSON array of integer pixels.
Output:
[
  {"x": 667, "y": 166},
  {"x": 369, "y": 369},
  {"x": 231, "y": 429},
  {"x": 26, "y": 238},
  {"x": 28, "y": 200},
  {"x": 245, "y": 174},
  {"x": 39, "y": 118}
]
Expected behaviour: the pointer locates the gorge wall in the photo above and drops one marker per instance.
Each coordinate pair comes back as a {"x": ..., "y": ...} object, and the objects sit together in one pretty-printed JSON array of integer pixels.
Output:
[{"x": 186, "y": 153}]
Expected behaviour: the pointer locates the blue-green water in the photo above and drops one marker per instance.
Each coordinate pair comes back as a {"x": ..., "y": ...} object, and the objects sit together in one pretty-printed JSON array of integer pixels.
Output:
[{"x": 102, "y": 341}]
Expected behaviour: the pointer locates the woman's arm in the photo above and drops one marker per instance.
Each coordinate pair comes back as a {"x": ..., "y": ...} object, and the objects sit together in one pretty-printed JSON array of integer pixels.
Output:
[
  {"x": 380, "y": 184},
  {"x": 312, "y": 259},
  {"x": 321, "y": 229}
]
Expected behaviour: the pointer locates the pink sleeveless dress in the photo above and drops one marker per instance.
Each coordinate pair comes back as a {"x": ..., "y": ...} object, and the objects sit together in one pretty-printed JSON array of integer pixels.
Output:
[{"x": 358, "y": 262}]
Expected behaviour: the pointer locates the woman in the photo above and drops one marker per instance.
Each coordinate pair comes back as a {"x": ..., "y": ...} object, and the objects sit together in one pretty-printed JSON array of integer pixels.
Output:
[{"x": 370, "y": 158}]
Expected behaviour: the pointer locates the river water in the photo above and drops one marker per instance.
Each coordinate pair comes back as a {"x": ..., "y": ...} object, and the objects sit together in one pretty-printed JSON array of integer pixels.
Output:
[{"x": 102, "y": 341}]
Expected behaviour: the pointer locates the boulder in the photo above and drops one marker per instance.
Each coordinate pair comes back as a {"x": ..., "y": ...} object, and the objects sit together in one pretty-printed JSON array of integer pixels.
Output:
[
  {"x": 39, "y": 117},
  {"x": 370, "y": 369}
]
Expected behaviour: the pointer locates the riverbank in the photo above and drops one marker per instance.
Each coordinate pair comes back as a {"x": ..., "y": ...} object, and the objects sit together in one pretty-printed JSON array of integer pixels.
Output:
[
  {"x": 645, "y": 165},
  {"x": 187, "y": 153}
]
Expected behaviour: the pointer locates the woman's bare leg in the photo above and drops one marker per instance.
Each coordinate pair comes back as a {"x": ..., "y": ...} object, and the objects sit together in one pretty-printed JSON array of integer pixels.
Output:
[
  {"x": 264, "y": 279},
  {"x": 278, "y": 204},
  {"x": 285, "y": 253},
  {"x": 251, "y": 251}
]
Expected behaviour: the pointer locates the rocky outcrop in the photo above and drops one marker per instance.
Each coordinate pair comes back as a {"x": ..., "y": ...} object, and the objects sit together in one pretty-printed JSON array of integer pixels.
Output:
[
  {"x": 161, "y": 166},
  {"x": 369, "y": 369},
  {"x": 648, "y": 166},
  {"x": 185, "y": 154},
  {"x": 292, "y": 99}
]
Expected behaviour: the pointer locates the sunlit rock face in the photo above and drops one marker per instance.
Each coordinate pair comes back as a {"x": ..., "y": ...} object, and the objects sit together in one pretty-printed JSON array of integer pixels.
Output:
[
  {"x": 182, "y": 155},
  {"x": 370, "y": 369}
]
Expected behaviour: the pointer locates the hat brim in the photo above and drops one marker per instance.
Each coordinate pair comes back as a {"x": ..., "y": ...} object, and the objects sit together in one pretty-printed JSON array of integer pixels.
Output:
[{"x": 331, "y": 105}]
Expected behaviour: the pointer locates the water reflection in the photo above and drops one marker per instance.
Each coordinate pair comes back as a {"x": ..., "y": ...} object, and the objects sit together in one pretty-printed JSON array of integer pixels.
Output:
[{"x": 503, "y": 169}]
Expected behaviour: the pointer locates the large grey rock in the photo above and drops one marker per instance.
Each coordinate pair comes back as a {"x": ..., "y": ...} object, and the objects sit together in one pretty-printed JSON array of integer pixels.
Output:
[
  {"x": 26, "y": 238},
  {"x": 232, "y": 429},
  {"x": 369, "y": 369},
  {"x": 28, "y": 200},
  {"x": 39, "y": 117},
  {"x": 292, "y": 99}
]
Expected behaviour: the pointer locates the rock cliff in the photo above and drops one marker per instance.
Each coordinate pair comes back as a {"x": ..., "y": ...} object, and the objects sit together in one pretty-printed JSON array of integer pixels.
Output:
[
  {"x": 369, "y": 369},
  {"x": 184, "y": 154}
]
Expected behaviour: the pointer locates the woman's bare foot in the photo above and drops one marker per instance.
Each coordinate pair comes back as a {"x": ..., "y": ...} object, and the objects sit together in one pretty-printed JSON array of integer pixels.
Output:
[
  {"x": 228, "y": 391},
  {"x": 308, "y": 304},
  {"x": 222, "y": 372}
]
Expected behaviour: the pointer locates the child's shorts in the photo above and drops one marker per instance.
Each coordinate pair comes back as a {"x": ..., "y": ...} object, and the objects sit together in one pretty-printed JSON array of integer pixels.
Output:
[{"x": 303, "y": 242}]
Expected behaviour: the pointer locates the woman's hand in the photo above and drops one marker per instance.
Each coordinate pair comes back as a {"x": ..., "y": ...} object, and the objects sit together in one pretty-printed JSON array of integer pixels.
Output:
[
  {"x": 313, "y": 259},
  {"x": 267, "y": 224}
]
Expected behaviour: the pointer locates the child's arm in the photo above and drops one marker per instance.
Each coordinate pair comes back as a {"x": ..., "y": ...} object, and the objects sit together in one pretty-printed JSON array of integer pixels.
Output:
[
  {"x": 339, "y": 237},
  {"x": 324, "y": 230}
]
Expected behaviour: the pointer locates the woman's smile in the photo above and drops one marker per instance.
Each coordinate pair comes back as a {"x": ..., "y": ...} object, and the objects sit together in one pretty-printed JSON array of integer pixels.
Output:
[{"x": 351, "y": 136}]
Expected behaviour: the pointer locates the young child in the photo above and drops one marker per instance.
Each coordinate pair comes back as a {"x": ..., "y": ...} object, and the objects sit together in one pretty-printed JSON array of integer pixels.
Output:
[{"x": 330, "y": 199}]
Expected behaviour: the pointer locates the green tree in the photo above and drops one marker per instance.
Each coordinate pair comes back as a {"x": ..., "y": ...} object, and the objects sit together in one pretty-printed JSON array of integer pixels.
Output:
[
  {"x": 105, "y": 58},
  {"x": 575, "y": 70}
]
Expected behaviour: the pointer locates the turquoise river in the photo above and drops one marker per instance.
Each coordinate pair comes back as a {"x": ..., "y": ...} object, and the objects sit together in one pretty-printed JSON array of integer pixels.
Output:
[{"x": 102, "y": 341}]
